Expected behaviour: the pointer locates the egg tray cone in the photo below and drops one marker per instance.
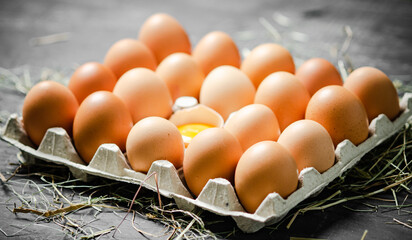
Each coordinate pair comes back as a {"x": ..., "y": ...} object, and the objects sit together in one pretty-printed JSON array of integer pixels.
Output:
[{"x": 218, "y": 196}]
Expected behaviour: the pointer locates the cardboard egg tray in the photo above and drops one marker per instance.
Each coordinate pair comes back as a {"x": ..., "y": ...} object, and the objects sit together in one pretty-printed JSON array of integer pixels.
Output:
[{"x": 218, "y": 196}]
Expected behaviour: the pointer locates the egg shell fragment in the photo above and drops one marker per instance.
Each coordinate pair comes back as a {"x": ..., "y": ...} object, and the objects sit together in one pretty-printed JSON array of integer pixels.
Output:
[
  {"x": 197, "y": 114},
  {"x": 184, "y": 103}
]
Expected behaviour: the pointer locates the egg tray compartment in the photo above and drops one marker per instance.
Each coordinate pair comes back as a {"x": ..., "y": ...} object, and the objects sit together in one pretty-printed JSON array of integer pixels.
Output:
[{"x": 218, "y": 196}]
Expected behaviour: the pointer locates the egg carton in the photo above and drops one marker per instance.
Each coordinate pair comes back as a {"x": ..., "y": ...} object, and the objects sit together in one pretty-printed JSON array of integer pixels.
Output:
[{"x": 218, "y": 196}]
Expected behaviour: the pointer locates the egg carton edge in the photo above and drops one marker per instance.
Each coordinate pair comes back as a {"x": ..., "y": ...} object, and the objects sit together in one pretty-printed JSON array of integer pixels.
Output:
[{"x": 218, "y": 196}]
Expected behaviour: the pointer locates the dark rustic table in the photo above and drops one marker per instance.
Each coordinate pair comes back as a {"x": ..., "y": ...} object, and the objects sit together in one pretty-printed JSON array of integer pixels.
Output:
[{"x": 380, "y": 34}]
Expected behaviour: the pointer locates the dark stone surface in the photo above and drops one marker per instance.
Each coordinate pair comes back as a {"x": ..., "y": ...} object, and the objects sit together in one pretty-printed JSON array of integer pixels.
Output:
[{"x": 382, "y": 37}]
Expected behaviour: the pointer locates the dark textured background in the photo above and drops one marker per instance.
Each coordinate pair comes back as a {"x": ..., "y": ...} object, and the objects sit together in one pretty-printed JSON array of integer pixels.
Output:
[{"x": 382, "y": 37}]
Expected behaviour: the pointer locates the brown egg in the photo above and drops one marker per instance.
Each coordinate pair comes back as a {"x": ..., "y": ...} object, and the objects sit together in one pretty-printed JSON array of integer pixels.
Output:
[
  {"x": 48, "y": 104},
  {"x": 264, "y": 168},
  {"x": 164, "y": 35},
  {"x": 216, "y": 49},
  {"x": 340, "y": 112},
  {"x": 266, "y": 59},
  {"x": 310, "y": 145},
  {"x": 102, "y": 118},
  {"x": 144, "y": 93},
  {"x": 129, "y": 53},
  {"x": 285, "y": 95},
  {"x": 89, "y": 78},
  {"x": 375, "y": 90},
  {"x": 253, "y": 123},
  {"x": 151, "y": 139},
  {"x": 317, "y": 73},
  {"x": 213, "y": 153},
  {"x": 226, "y": 89},
  {"x": 182, "y": 75}
]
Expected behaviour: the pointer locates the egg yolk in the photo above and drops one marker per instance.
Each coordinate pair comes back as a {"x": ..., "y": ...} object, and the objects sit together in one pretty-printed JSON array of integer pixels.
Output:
[{"x": 189, "y": 131}]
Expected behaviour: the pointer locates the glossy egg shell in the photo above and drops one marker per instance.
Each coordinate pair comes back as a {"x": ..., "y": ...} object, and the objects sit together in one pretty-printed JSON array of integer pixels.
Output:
[
  {"x": 340, "y": 112},
  {"x": 216, "y": 49},
  {"x": 127, "y": 54},
  {"x": 317, "y": 73},
  {"x": 226, "y": 89},
  {"x": 164, "y": 35},
  {"x": 310, "y": 145},
  {"x": 182, "y": 75},
  {"x": 102, "y": 118},
  {"x": 264, "y": 168},
  {"x": 144, "y": 93},
  {"x": 89, "y": 78},
  {"x": 213, "y": 153},
  {"x": 151, "y": 139},
  {"x": 265, "y": 59},
  {"x": 375, "y": 90},
  {"x": 48, "y": 104},
  {"x": 253, "y": 123},
  {"x": 285, "y": 95}
]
